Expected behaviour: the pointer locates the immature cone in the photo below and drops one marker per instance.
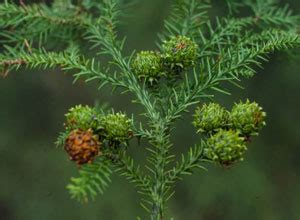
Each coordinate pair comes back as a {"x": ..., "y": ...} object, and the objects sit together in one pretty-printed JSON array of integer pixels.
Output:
[
  {"x": 82, "y": 117},
  {"x": 117, "y": 127},
  {"x": 179, "y": 52},
  {"x": 147, "y": 65},
  {"x": 210, "y": 118},
  {"x": 248, "y": 118},
  {"x": 225, "y": 147},
  {"x": 82, "y": 146}
]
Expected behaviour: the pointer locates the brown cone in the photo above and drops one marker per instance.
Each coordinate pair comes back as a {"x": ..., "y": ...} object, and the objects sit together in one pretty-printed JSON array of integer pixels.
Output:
[{"x": 82, "y": 146}]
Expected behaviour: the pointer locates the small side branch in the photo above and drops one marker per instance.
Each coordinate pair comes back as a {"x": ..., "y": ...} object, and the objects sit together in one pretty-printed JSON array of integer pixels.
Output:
[
  {"x": 14, "y": 59},
  {"x": 187, "y": 164},
  {"x": 126, "y": 167},
  {"x": 113, "y": 48}
]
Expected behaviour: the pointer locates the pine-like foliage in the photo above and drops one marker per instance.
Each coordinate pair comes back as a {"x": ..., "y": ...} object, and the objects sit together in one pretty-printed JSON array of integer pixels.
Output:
[
  {"x": 93, "y": 179},
  {"x": 186, "y": 18},
  {"x": 224, "y": 49}
]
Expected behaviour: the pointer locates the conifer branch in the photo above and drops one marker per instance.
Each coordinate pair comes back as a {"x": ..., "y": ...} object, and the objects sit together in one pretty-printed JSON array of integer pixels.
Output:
[
  {"x": 268, "y": 13},
  {"x": 39, "y": 22},
  {"x": 15, "y": 58},
  {"x": 186, "y": 18},
  {"x": 93, "y": 179},
  {"x": 187, "y": 164},
  {"x": 231, "y": 64},
  {"x": 126, "y": 167},
  {"x": 196, "y": 57},
  {"x": 107, "y": 39},
  {"x": 13, "y": 15}
]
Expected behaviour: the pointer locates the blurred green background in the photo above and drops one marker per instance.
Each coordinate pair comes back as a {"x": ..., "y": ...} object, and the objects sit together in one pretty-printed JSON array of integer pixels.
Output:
[{"x": 34, "y": 173}]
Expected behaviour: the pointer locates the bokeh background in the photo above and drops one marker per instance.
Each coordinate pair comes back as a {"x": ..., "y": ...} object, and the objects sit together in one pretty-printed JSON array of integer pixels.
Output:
[{"x": 33, "y": 173}]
